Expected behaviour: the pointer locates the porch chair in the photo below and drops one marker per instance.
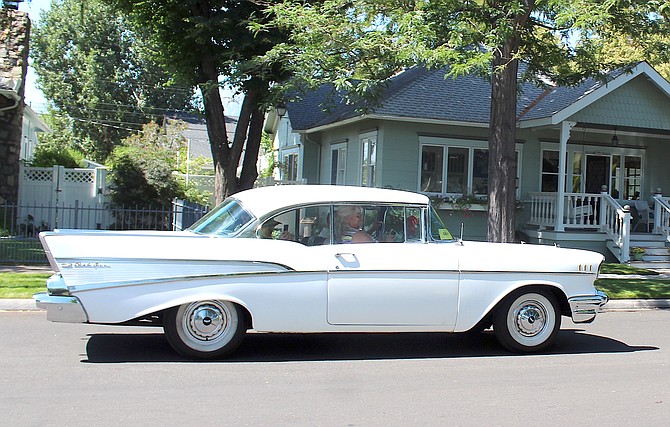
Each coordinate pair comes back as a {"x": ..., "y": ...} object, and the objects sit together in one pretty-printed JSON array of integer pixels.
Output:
[{"x": 645, "y": 216}]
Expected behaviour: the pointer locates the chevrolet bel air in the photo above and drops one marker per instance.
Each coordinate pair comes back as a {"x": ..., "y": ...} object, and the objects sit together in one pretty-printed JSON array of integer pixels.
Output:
[{"x": 316, "y": 259}]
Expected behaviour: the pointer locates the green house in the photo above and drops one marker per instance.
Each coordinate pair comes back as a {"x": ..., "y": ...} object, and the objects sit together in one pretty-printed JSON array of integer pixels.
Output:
[{"x": 592, "y": 160}]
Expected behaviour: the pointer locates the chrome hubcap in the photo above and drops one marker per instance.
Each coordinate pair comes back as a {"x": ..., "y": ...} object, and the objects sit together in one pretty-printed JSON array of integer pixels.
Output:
[
  {"x": 206, "y": 321},
  {"x": 530, "y": 319}
]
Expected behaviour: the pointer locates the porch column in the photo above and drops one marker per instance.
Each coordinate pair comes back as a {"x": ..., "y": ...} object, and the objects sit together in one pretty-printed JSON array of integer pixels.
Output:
[{"x": 562, "y": 173}]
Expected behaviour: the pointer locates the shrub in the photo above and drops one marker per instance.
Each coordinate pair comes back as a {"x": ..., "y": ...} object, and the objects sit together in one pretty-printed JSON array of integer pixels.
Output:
[{"x": 46, "y": 156}]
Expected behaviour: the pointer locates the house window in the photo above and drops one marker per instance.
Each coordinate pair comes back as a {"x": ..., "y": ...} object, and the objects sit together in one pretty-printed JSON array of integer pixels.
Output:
[
  {"x": 615, "y": 181},
  {"x": 432, "y": 162},
  {"x": 457, "y": 170},
  {"x": 549, "y": 171},
  {"x": 338, "y": 165},
  {"x": 466, "y": 169},
  {"x": 369, "y": 160},
  {"x": 291, "y": 167},
  {"x": 577, "y": 172},
  {"x": 626, "y": 180},
  {"x": 480, "y": 172},
  {"x": 632, "y": 177}
]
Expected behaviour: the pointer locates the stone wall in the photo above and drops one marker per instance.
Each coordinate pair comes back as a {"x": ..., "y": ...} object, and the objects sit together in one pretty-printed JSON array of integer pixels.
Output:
[{"x": 14, "y": 41}]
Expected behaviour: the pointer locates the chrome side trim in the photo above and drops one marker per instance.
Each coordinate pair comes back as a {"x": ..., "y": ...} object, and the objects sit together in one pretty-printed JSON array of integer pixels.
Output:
[
  {"x": 585, "y": 307},
  {"x": 65, "y": 309}
]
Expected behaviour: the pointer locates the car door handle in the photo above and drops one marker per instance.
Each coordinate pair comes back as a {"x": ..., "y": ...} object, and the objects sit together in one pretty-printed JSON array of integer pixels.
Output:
[{"x": 348, "y": 259}]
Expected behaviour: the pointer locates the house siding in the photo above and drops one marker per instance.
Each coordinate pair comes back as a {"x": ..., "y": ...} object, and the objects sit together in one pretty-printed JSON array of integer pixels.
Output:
[
  {"x": 657, "y": 174},
  {"x": 639, "y": 103},
  {"x": 399, "y": 148}
]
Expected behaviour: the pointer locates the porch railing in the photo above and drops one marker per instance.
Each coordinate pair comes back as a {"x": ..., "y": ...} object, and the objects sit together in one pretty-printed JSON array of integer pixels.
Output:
[
  {"x": 662, "y": 215},
  {"x": 615, "y": 221},
  {"x": 581, "y": 210},
  {"x": 586, "y": 211}
]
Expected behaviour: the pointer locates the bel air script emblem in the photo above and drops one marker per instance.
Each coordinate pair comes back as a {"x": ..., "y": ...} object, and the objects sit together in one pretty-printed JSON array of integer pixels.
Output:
[{"x": 84, "y": 265}]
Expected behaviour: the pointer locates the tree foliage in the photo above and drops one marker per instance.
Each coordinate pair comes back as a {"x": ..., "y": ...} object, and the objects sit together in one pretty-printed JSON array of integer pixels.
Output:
[
  {"x": 202, "y": 40},
  {"x": 98, "y": 71},
  {"x": 141, "y": 168},
  {"x": 47, "y": 155},
  {"x": 358, "y": 44}
]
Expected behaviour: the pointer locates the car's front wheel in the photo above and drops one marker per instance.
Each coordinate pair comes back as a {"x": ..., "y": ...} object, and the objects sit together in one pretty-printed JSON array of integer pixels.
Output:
[
  {"x": 204, "y": 329},
  {"x": 527, "y": 321}
]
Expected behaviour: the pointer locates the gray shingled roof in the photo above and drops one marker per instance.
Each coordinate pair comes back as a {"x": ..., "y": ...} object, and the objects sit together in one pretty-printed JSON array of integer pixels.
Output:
[
  {"x": 426, "y": 94},
  {"x": 197, "y": 133}
]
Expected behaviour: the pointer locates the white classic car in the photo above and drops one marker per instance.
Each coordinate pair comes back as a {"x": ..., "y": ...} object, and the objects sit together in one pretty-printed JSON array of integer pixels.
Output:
[{"x": 316, "y": 259}]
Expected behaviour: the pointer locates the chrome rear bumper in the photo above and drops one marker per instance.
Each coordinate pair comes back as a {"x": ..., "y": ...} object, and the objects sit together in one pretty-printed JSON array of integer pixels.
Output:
[
  {"x": 61, "y": 308},
  {"x": 584, "y": 308},
  {"x": 59, "y": 304}
]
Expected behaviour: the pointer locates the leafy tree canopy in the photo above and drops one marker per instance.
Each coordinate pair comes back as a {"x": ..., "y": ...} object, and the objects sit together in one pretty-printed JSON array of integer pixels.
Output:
[
  {"x": 358, "y": 44},
  {"x": 98, "y": 71},
  {"x": 202, "y": 41}
]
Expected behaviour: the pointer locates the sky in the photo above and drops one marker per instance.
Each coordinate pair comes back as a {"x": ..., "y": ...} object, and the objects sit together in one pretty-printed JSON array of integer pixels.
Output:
[{"x": 34, "y": 96}]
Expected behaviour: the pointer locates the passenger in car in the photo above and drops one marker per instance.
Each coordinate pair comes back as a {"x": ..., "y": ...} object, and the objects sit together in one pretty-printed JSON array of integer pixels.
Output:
[
  {"x": 348, "y": 224},
  {"x": 266, "y": 230}
]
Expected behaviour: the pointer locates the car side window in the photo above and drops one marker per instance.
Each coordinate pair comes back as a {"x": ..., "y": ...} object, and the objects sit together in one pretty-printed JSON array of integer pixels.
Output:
[
  {"x": 309, "y": 225},
  {"x": 377, "y": 223}
]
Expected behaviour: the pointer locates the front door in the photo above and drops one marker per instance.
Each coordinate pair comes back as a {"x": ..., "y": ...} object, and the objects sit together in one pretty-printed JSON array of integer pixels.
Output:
[{"x": 597, "y": 173}]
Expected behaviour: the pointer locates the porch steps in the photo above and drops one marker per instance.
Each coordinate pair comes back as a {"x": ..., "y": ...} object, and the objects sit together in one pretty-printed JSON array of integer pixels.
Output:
[{"x": 657, "y": 254}]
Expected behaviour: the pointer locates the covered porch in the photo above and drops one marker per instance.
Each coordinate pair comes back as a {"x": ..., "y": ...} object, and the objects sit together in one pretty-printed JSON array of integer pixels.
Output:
[{"x": 622, "y": 224}]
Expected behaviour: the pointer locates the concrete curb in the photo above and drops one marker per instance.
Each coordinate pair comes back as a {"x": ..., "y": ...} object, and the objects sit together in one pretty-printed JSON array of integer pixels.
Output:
[
  {"x": 636, "y": 304},
  {"x": 18, "y": 305}
]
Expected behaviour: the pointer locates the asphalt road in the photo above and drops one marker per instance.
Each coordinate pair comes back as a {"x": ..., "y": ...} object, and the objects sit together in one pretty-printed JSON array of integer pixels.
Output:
[{"x": 612, "y": 372}]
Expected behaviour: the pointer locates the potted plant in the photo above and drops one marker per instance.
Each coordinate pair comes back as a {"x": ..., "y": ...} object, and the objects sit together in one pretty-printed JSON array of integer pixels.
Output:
[{"x": 637, "y": 252}]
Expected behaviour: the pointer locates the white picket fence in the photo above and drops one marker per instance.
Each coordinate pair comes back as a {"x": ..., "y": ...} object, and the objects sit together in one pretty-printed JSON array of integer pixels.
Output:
[{"x": 79, "y": 191}]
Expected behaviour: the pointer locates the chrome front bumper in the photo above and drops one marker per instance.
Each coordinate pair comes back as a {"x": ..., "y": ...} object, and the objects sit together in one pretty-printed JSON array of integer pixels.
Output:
[
  {"x": 59, "y": 304},
  {"x": 584, "y": 308}
]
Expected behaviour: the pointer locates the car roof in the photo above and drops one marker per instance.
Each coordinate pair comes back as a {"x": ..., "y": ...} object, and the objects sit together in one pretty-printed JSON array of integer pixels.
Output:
[{"x": 263, "y": 200}]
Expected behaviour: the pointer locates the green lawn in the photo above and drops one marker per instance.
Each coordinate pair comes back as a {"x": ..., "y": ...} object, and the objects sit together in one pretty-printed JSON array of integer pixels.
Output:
[
  {"x": 634, "y": 288},
  {"x": 24, "y": 285}
]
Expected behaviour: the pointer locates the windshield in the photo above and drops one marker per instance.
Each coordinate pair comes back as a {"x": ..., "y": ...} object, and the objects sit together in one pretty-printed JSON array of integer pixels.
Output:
[
  {"x": 227, "y": 219},
  {"x": 438, "y": 231}
]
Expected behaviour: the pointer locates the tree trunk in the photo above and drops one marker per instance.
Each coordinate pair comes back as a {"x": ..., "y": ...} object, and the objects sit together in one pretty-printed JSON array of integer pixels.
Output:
[
  {"x": 216, "y": 127},
  {"x": 249, "y": 167},
  {"x": 502, "y": 136}
]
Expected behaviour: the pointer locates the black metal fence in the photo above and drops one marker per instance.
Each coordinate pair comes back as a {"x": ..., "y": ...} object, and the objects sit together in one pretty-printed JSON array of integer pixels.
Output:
[{"x": 20, "y": 225}]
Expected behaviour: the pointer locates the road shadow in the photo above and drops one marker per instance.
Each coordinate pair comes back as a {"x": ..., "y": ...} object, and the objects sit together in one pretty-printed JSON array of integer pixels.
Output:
[{"x": 153, "y": 347}]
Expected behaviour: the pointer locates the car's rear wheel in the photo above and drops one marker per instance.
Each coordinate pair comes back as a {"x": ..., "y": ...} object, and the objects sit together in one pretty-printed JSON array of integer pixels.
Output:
[
  {"x": 204, "y": 329},
  {"x": 527, "y": 321}
]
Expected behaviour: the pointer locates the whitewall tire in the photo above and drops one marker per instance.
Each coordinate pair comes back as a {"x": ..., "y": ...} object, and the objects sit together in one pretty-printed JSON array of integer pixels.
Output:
[
  {"x": 527, "y": 321},
  {"x": 204, "y": 329}
]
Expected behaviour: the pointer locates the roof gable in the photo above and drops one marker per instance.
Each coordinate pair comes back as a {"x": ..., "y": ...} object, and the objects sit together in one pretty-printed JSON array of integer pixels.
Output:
[
  {"x": 564, "y": 102},
  {"x": 639, "y": 103}
]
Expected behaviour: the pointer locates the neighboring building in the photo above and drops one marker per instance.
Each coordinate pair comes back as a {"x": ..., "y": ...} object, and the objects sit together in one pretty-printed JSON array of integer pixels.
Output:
[
  {"x": 32, "y": 125},
  {"x": 198, "y": 147},
  {"x": 582, "y": 151}
]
